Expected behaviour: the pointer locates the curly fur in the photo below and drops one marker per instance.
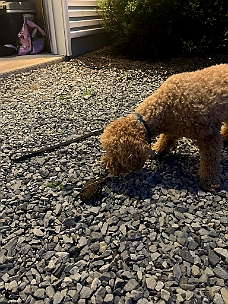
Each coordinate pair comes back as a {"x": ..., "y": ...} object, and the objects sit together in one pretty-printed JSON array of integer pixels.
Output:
[{"x": 193, "y": 105}]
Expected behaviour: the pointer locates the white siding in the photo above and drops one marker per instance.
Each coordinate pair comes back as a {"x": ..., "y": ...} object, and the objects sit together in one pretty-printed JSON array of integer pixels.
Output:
[
  {"x": 74, "y": 27},
  {"x": 56, "y": 13},
  {"x": 84, "y": 18}
]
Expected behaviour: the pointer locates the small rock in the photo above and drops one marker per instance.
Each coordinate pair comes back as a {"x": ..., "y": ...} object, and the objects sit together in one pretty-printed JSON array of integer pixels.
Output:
[
  {"x": 58, "y": 297},
  {"x": 50, "y": 292},
  {"x": 101, "y": 292},
  {"x": 47, "y": 218},
  {"x": 159, "y": 286},
  {"x": 94, "y": 210},
  {"x": 195, "y": 271},
  {"x": 208, "y": 272},
  {"x": 139, "y": 275},
  {"x": 103, "y": 247},
  {"x": 222, "y": 252},
  {"x": 69, "y": 222},
  {"x": 123, "y": 229},
  {"x": 39, "y": 293},
  {"x": 155, "y": 256},
  {"x": 96, "y": 236},
  {"x": 177, "y": 271},
  {"x": 192, "y": 245},
  {"x": 218, "y": 299},
  {"x": 38, "y": 232},
  {"x": 82, "y": 241},
  {"x": 187, "y": 286},
  {"x": 95, "y": 284},
  {"x": 5, "y": 277},
  {"x": 189, "y": 295},
  {"x": 86, "y": 292},
  {"x": 186, "y": 256},
  {"x": 118, "y": 282},
  {"x": 196, "y": 226},
  {"x": 224, "y": 293},
  {"x": 180, "y": 299},
  {"x": 12, "y": 285},
  {"x": 131, "y": 284},
  {"x": 142, "y": 301},
  {"x": 213, "y": 258},
  {"x": 62, "y": 256},
  {"x": 165, "y": 295},
  {"x": 221, "y": 273},
  {"x": 136, "y": 295},
  {"x": 67, "y": 239},
  {"x": 108, "y": 298},
  {"x": 151, "y": 283},
  {"x": 224, "y": 220}
]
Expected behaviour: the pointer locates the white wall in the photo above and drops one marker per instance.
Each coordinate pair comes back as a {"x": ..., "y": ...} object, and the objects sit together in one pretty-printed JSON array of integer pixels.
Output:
[
  {"x": 85, "y": 23},
  {"x": 84, "y": 18}
]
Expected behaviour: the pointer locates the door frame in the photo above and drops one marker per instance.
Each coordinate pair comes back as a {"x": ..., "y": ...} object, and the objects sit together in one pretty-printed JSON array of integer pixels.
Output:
[{"x": 57, "y": 19}]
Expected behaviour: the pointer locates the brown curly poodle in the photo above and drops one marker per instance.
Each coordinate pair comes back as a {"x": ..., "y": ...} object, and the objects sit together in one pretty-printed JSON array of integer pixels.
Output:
[{"x": 193, "y": 105}]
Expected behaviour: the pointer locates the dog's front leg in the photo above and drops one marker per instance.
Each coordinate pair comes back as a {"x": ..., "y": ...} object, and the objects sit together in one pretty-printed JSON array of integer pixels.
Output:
[
  {"x": 224, "y": 131},
  {"x": 164, "y": 144},
  {"x": 210, "y": 155}
]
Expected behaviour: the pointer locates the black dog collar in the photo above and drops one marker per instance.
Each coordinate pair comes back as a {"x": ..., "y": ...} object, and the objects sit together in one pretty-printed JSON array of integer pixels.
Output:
[{"x": 148, "y": 133}]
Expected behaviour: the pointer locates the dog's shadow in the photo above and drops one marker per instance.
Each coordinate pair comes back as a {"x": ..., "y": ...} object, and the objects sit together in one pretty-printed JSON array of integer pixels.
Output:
[
  {"x": 169, "y": 172},
  {"x": 177, "y": 171}
]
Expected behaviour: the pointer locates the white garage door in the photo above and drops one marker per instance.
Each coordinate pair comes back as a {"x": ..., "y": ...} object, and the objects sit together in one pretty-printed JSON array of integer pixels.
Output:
[
  {"x": 70, "y": 19},
  {"x": 84, "y": 18}
]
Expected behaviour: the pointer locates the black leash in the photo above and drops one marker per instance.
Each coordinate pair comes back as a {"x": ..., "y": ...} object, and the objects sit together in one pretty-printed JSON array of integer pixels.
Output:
[{"x": 16, "y": 158}]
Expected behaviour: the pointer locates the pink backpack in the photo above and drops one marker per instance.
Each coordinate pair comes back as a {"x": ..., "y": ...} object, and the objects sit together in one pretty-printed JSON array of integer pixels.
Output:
[{"x": 31, "y": 38}]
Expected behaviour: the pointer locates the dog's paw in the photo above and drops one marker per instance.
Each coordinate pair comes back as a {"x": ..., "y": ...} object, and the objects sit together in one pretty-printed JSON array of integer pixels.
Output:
[
  {"x": 153, "y": 154},
  {"x": 208, "y": 186}
]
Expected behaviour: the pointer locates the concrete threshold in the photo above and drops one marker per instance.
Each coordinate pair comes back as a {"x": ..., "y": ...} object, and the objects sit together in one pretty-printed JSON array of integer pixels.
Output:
[{"x": 10, "y": 64}]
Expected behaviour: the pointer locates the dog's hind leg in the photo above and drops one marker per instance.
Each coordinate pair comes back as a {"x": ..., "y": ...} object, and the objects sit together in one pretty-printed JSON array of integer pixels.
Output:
[
  {"x": 210, "y": 155},
  {"x": 164, "y": 144},
  {"x": 224, "y": 130}
]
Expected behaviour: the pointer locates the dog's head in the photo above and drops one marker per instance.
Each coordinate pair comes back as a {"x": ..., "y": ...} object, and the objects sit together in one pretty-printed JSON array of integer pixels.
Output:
[{"x": 126, "y": 145}]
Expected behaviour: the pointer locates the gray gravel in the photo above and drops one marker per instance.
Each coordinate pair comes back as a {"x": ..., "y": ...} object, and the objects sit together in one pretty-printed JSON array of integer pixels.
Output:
[{"x": 153, "y": 237}]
